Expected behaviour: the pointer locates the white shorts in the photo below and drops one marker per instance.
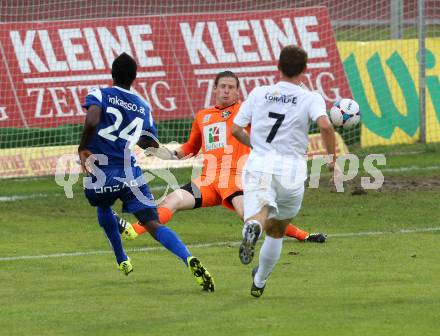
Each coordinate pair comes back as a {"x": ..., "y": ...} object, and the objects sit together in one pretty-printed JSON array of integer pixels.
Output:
[{"x": 283, "y": 198}]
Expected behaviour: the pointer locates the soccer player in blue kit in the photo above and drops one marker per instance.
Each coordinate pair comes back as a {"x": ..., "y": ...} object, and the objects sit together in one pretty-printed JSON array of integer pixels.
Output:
[{"x": 116, "y": 120}]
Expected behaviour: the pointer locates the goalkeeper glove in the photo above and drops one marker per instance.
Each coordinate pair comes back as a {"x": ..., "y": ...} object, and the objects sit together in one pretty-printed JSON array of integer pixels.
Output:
[{"x": 162, "y": 152}]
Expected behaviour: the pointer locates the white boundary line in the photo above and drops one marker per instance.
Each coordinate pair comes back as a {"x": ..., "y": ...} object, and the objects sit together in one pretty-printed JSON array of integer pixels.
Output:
[{"x": 207, "y": 245}]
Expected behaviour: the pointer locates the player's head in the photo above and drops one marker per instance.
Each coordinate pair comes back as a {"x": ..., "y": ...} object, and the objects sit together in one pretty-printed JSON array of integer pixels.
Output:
[
  {"x": 226, "y": 88},
  {"x": 292, "y": 61},
  {"x": 124, "y": 70}
]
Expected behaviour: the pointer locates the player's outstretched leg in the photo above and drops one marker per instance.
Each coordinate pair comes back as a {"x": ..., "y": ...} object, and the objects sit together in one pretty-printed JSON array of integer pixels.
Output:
[
  {"x": 251, "y": 232},
  {"x": 302, "y": 235},
  {"x": 109, "y": 224},
  {"x": 125, "y": 228},
  {"x": 132, "y": 231}
]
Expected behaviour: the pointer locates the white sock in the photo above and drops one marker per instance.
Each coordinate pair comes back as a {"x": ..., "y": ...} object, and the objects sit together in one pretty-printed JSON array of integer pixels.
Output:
[{"x": 269, "y": 255}]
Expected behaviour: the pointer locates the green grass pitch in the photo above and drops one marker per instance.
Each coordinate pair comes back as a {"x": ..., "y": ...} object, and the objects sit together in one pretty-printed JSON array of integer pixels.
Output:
[{"x": 378, "y": 273}]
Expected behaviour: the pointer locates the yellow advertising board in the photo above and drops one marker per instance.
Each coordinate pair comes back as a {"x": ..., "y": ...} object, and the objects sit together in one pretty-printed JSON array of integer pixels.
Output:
[
  {"x": 383, "y": 76},
  {"x": 316, "y": 146},
  {"x": 43, "y": 161}
]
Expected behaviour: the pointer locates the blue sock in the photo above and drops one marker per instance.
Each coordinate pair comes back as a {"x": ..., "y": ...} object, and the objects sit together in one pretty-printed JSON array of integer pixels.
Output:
[
  {"x": 108, "y": 222},
  {"x": 172, "y": 242}
]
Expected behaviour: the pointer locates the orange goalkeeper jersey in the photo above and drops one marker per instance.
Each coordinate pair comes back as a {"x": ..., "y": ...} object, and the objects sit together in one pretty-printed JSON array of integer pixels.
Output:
[{"x": 223, "y": 154}]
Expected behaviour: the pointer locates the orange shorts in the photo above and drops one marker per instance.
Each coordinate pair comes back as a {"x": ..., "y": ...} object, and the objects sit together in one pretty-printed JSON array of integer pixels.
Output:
[{"x": 217, "y": 192}]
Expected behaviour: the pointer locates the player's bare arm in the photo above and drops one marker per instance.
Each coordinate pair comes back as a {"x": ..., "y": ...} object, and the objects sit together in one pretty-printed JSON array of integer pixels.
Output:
[
  {"x": 92, "y": 119},
  {"x": 241, "y": 135},
  {"x": 328, "y": 137}
]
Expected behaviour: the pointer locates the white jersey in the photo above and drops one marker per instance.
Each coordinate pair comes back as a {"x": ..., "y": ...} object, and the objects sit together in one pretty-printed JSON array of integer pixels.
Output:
[{"x": 280, "y": 118}]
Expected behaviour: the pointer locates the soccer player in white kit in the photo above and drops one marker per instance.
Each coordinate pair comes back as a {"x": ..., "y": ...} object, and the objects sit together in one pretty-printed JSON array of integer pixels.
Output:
[{"x": 274, "y": 175}]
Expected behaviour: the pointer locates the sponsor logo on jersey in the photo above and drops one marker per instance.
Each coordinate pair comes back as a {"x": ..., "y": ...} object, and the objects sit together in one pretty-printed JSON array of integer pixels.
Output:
[
  {"x": 226, "y": 114},
  {"x": 116, "y": 187},
  {"x": 215, "y": 136},
  {"x": 115, "y": 100},
  {"x": 206, "y": 118},
  {"x": 276, "y": 97}
]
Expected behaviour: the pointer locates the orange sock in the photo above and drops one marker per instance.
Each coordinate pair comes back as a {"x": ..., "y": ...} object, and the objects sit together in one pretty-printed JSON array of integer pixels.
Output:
[
  {"x": 138, "y": 228},
  {"x": 165, "y": 215},
  {"x": 293, "y": 231}
]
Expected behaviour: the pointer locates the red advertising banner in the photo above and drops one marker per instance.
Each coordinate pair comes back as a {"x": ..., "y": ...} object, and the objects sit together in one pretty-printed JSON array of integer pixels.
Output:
[{"x": 47, "y": 67}]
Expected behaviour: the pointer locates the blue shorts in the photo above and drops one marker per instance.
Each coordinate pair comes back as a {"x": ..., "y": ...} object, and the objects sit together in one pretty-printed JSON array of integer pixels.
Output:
[{"x": 131, "y": 190}]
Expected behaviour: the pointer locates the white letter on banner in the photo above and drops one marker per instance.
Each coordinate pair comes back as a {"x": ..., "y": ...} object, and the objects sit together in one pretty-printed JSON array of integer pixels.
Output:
[
  {"x": 239, "y": 41},
  {"x": 94, "y": 48},
  {"x": 52, "y": 62},
  {"x": 194, "y": 43},
  {"x": 277, "y": 36},
  {"x": 59, "y": 101},
  {"x": 222, "y": 55},
  {"x": 39, "y": 103},
  {"x": 261, "y": 40},
  {"x": 111, "y": 45},
  {"x": 307, "y": 38},
  {"x": 142, "y": 46},
  {"x": 170, "y": 100},
  {"x": 25, "y": 53},
  {"x": 71, "y": 50},
  {"x": 208, "y": 95},
  {"x": 321, "y": 88}
]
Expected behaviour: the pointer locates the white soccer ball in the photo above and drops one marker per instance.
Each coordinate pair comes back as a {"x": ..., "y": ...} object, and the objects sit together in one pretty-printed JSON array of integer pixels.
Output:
[{"x": 345, "y": 113}]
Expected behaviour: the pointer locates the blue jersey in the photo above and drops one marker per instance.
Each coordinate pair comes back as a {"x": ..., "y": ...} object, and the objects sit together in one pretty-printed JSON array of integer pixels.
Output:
[{"x": 123, "y": 118}]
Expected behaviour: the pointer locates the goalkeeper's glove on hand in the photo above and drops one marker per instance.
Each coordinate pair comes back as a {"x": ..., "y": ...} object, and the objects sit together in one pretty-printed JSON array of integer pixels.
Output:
[{"x": 162, "y": 152}]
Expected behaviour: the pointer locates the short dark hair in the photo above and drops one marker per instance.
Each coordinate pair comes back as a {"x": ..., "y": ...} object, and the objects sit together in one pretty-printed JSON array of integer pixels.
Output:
[
  {"x": 124, "y": 69},
  {"x": 226, "y": 73},
  {"x": 292, "y": 61}
]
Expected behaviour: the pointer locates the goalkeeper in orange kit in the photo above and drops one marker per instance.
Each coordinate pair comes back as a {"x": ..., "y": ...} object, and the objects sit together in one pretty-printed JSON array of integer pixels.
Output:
[{"x": 224, "y": 157}]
